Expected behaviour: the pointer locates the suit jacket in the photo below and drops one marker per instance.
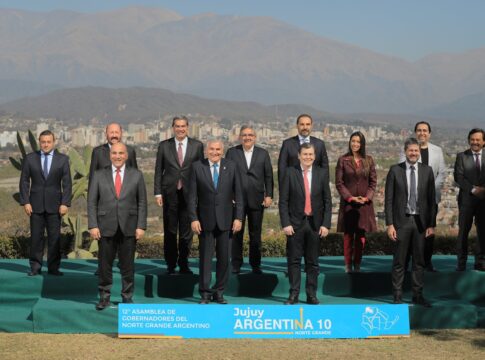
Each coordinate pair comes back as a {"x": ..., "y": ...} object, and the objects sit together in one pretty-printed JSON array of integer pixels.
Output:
[
  {"x": 292, "y": 198},
  {"x": 167, "y": 169},
  {"x": 100, "y": 159},
  {"x": 396, "y": 196},
  {"x": 107, "y": 212},
  {"x": 45, "y": 195},
  {"x": 466, "y": 176},
  {"x": 257, "y": 180},
  {"x": 437, "y": 162},
  {"x": 215, "y": 207}
]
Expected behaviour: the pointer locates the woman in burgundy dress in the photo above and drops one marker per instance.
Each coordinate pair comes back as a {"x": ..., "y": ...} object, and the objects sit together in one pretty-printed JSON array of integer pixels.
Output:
[{"x": 356, "y": 179}]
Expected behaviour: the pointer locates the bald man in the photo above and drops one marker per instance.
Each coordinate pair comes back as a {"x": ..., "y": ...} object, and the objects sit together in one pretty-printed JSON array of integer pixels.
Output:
[{"x": 117, "y": 218}]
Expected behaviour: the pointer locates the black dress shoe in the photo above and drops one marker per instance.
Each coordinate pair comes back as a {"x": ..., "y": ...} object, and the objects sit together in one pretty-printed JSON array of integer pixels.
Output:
[
  {"x": 204, "y": 301},
  {"x": 479, "y": 267},
  {"x": 397, "y": 299},
  {"x": 55, "y": 273},
  {"x": 312, "y": 300},
  {"x": 186, "y": 271},
  {"x": 219, "y": 299},
  {"x": 257, "y": 270},
  {"x": 420, "y": 300},
  {"x": 103, "y": 304},
  {"x": 171, "y": 271},
  {"x": 460, "y": 268},
  {"x": 291, "y": 300},
  {"x": 34, "y": 273},
  {"x": 127, "y": 301}
]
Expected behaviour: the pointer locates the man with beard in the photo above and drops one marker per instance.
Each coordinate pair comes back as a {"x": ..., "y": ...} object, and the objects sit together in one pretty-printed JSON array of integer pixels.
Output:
[{"x": 290, "y": 149}]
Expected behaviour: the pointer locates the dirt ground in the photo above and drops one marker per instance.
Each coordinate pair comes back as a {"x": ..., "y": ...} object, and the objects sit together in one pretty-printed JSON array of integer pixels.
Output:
[{"x": 430, "y": 344}]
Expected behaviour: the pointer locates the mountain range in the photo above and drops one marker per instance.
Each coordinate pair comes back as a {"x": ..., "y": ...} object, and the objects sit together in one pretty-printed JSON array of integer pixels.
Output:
[{"x": 257, "y": 59}]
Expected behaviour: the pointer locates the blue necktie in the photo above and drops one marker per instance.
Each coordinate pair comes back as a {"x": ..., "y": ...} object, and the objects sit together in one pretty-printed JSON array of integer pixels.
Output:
[
  {"x": 45, "y": 168},
  {"x": 215, "y": 176}
]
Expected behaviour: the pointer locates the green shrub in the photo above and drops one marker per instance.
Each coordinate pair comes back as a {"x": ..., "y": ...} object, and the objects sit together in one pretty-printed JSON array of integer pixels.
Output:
[{"x": 273, "y": 245}]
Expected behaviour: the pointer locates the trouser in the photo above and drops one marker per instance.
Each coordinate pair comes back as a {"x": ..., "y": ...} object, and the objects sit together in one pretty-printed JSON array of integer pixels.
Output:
[
  {"x": 176, "y": 218},
  {"x": 39, "y": 223},
  {"x": 410, "y": 236},
  {"x": 208, "y": 240},
  {"x": 124, "y": 246},
  {"x": 255, "y": 222},
  {"x": 467, "y": 212},
  {"x": 304, "y": 243}
]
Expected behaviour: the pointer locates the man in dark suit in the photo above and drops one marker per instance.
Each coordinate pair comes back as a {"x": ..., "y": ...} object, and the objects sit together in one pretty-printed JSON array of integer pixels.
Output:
[
  {"x": 305, "y": 211},
  {"x": 410, "y": 207},
  {"x": 289, "y": 150},
  {"x": 174, "y": 159},
  {"x": 45, "y": 193},
  {"x": 215, "y": 209},
  {"x": 100, "y": 157},
  {"x": 254, "y": 167},
  {"x": 117, "y": 218},
  {"x": 470, "y": 177},
  {"x": 431, "y": 155}
]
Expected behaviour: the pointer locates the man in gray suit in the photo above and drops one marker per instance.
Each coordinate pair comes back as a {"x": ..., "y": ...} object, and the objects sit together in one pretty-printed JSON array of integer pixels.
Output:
[
  {"x": 410, "y": 207},
  {"x": 117, "y": 218},
  {"x": 215, "y": 209},
  {"x": 430, "y": 155},
  {"x": 470, "y": 177}
]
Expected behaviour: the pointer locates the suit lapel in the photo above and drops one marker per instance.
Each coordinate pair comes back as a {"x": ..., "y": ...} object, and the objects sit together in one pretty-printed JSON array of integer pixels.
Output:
[
  {"x": 173, "y": 145},
  {"x": 404, "y": 179},
  {"x": 55, "y": 162},
  {"x": 188, "y": 152},
  {"x": 207, "y": 172},
  {"x": 109, "y": 180},
  {"x": 242, "y": 155},
  {"x": 222, "y": 174},
  {"x": 38, "y": 164},
  {"x": 300, "y": 180},
  {"x": 253, "y": 157}
]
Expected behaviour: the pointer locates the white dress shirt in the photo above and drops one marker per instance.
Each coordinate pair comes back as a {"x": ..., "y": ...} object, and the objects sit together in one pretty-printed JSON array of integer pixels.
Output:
[
  {"x": 248, "y": 154},
  {"x": 304, "y": 139},
  {"x": 122, "y": 172}
]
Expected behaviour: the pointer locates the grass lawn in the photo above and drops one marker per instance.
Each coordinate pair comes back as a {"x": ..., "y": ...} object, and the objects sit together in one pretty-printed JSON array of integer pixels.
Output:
[{"x": 429, "y": 344}]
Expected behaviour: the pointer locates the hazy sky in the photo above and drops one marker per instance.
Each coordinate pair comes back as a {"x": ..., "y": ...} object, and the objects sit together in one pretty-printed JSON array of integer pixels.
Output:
[{"x": 409, "y": 29}]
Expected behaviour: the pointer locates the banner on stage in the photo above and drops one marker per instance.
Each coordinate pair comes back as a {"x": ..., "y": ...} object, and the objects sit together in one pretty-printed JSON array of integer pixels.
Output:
[{"x": 262, "y": 321}]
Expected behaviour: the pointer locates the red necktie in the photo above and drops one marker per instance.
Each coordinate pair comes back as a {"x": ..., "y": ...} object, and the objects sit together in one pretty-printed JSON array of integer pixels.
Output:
[
  {"x": 118, "y": 183},
  {"x": 180, "y": 155},
  {"x": 308, "y": 202}
]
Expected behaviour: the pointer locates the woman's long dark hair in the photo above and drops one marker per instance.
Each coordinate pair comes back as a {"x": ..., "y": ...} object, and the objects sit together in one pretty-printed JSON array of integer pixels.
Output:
[{"x": 365, "y": 161}]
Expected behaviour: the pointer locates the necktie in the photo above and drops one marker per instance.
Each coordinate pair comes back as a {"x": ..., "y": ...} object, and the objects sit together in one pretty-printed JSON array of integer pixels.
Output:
[
  {"x": 180, "y": 155},
  {"x": 412, "y": 191},
  {"x": 118, "y": 183},
  {"x": 45, "y": 168},
  {"x": 308, "y": 202},
  {"x": 477, "y": 163},
  {"x": 215, "y": 176}
]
